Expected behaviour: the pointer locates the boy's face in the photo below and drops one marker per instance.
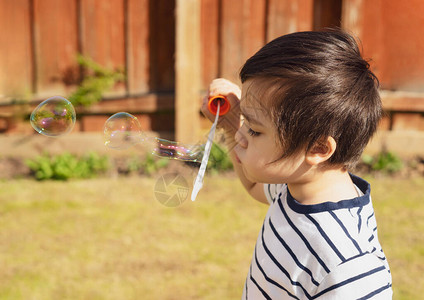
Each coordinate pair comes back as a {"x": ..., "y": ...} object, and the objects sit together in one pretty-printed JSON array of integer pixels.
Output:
[{"x": 258, "y": 149}]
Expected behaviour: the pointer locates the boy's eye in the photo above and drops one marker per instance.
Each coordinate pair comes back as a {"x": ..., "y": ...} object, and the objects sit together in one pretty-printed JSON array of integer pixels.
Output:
[{"x": 252, "y": 132}]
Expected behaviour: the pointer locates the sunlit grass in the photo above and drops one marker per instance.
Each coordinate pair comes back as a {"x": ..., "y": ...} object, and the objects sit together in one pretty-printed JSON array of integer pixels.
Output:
[
  {"x": 399, "y": 206},
  {"x": 111, "y": 239}
]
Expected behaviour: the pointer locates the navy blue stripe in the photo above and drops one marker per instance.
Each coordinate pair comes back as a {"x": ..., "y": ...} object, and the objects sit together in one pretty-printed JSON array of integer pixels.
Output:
[
  {"x": 350, "y": 280},
  {"x": 359, "y": 219},
  {"x": 281, "y": 267},
  {"x": 345, "y": 231},
  {"x": 376, "y": 292},
  {"x": 374, "y": 229},
  {"x": 292, "y": 254},
  {"x": 355, "y": 257},
  {"x": 331, "y": 206},
  {"x": 381, "y": 250},
  {"x": 271, "y": 280},
  {"x": 259, "y": 288},
  {"x": 325, "y": 236},
  {"x": 368, "y": 219},
  {"x": 371, "y": 238},
  {"x": 247, "y": 279},
  {"x": 305, "y": 241},
  {"x": 269, "y": 193}
]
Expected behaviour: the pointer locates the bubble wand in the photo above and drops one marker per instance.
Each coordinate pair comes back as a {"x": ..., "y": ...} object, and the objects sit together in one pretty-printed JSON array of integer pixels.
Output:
[{"x": 218, "y": 106}]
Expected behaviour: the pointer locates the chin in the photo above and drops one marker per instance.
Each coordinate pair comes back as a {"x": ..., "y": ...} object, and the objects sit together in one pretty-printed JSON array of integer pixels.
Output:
[
  {"x": 253, "y": 178},
  {"x": 248, "y": 176}
]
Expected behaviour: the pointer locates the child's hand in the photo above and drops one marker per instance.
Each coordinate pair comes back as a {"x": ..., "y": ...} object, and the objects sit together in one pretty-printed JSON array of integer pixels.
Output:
[{"x": 231, "y": 120}]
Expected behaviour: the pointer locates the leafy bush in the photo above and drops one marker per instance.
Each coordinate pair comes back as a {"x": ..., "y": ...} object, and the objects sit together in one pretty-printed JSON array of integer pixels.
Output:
[
  {"x": 385, "y": 161},
  {"x": 219, "y": 159},
  {"x": 148, "y": 165},
  {"x": 67, "y": 166},
  {"x": 100, "y": 79}
]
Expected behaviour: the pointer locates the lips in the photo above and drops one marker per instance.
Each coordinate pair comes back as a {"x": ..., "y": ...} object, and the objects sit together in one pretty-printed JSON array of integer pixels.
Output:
[{"x": 237, "y": 158}]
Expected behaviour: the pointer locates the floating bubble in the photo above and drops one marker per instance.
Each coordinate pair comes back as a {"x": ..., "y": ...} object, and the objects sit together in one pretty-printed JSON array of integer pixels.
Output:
[
  {"x": 122, "y": 131},
  {"x": 53, "y": 117},
  {"x": 176, "y": 150}
]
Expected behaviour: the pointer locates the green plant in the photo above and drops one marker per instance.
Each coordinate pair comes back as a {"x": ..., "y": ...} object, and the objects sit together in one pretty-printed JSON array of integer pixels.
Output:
[
  {"x": 99, "y": 80},
  {"x": 66, "y": 166},
  {"x": 148, "y": 165},
  {"x": 219, "y": 159},
  {"x": 384, "y": 161}
]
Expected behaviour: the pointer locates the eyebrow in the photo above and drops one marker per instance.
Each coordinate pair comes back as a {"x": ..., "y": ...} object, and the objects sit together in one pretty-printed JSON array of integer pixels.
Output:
[{"x": 250, "y": 118}]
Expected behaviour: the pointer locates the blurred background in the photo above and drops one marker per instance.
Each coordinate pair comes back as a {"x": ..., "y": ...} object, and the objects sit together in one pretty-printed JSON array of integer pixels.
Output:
[
  {"x": 168, "y": 51},
  {"x": 107, "y": 237}
]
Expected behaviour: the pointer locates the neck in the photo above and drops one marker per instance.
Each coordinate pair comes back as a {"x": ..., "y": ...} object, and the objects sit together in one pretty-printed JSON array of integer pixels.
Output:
[{"x": 330, "y": 185}]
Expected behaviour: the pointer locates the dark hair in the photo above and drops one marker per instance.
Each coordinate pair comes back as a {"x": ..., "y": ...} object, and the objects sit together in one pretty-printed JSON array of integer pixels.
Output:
[{"x": 318, "y": 86}]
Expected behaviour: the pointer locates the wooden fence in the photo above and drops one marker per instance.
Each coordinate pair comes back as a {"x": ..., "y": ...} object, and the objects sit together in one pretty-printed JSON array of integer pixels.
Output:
[{"x": 41, "y": 38}]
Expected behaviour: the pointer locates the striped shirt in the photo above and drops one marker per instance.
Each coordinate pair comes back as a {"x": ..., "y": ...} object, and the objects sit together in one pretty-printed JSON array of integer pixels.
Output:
[{"x": 323, "y": 251}]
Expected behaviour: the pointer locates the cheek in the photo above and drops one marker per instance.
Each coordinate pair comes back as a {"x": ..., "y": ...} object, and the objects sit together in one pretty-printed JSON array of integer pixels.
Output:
[
  {"x": 258, "y": 157},
  {"x": 264, "y": 150}
]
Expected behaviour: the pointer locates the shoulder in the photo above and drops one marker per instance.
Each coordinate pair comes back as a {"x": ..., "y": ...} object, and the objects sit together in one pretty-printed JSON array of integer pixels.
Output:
[{"x": 363, "y": 276}]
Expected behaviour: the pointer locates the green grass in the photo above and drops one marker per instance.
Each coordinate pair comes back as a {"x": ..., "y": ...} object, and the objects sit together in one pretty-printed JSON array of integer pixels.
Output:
[
  {"x": 399, "y": 210},
  {"x": 110, "y": 239}
]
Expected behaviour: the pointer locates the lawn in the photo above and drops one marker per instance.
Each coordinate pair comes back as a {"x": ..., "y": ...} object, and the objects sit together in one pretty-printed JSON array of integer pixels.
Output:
[{"x": 111, "y": 239}]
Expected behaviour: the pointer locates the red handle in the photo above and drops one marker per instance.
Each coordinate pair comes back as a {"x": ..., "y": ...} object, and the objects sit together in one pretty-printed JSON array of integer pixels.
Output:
[{"x": 224, "y": 105}]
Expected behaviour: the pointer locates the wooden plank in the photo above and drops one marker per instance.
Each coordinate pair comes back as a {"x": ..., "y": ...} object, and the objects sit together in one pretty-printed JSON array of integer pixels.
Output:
[
  {"x": 163, "y": 123},
  {"x": 209, "y": 28},
  {"x": 141, "y": 104},
  {"x": 403, "y": 42},
  {"x": 358, "y": 17},
  {"x": 384, "y": 28},
  {"x": 148, "y": 122},
  {"x": 288, "y": 16},
  {"x": 162, "y": 45},
  {"x": 407, "y": 121},
  {"x": 404, "y": 143},
  {"x": 398, "y": 101},
  {"x": 385, "y": 122},
  {"x": 231, "y": 52},
  {"x": 305, "y": 13},
  {"x": 16, "y": 64},
  {"x": 242, "y": 27},
  {"x": 56, "y": 46},
  {"x": 103, "y": 36},
  {"x": 254, "y": 27},
  {"x": 403, "y": 102},
  {"x": 137, "y": 46},
  {"x": 188, "y": 71},
  {"x": 327, "y": 13}
]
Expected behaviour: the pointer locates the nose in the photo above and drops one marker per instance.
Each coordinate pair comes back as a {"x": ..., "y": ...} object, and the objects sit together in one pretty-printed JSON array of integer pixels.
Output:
[{"x": 240, "y": 139}]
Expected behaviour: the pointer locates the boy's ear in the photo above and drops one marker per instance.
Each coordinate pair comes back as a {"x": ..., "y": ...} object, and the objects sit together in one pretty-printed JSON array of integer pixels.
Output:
[{"x": 321, "y": 151}]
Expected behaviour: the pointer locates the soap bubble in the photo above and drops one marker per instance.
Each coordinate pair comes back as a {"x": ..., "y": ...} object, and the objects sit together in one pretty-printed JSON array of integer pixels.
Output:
[
  {"x": 122, "y": 131},
  {"x": 53, "y": 117},
  {"x": 176, "y": 150}
]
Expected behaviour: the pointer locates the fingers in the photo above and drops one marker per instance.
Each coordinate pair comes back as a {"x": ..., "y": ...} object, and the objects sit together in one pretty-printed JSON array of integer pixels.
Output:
[
  {"x": 221, "y": 87},
  {"x": 224, "y": 87},
  {"x": 205, "y": 109}
]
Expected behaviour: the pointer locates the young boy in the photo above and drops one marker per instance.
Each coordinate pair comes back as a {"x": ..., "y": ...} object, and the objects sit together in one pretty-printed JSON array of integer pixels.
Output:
[{"x": 310, "y": 105}]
